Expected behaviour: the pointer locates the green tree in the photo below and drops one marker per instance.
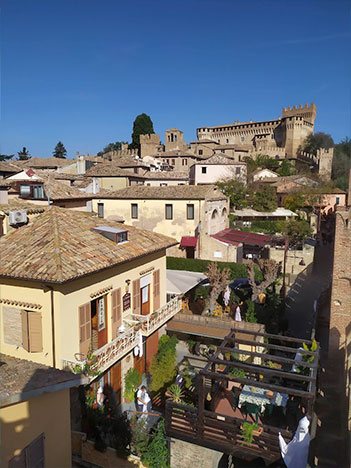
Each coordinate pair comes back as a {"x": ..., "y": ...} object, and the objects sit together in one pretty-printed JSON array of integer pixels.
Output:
[
  {"x": 265, "y": 198},
  {"x": 314, "y": 142},
  {"x": 286, "y": 168},
  {"x": 23, "y": 155},
  {"x": 163, "y": 365},
  {"x": 235, "y": 190},
  {"x": 262, "y": 161},
  {"x": 6, "y": 157},
  {"x": 142, "y": 126},
  {"x": 341, "y": 163},
  {"x": 296, "y": 230},
  {"x": 157, "y": 451},
  {"x": 60, "y": 151}
]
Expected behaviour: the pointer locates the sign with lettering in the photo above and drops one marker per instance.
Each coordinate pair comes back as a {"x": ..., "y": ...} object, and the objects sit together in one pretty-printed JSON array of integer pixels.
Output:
[{"x": 126, "y": 301}]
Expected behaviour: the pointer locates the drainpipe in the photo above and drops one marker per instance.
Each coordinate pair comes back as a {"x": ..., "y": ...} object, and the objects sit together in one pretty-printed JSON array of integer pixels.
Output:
[{"x": 52, "y": 325}]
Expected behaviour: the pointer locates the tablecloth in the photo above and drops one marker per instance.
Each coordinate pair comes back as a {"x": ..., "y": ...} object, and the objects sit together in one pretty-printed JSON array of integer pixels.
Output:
[{"x": 256, "y": 395}]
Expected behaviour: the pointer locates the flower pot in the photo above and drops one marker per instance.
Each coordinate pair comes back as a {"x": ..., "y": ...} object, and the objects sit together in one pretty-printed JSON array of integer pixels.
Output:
[{"x": 269, "y": 394}]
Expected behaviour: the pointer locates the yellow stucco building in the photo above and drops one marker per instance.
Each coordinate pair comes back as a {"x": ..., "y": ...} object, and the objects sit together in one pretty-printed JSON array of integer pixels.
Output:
[
  {"x": 72, "y": 284},
  {"x": 35, "y": 414}
]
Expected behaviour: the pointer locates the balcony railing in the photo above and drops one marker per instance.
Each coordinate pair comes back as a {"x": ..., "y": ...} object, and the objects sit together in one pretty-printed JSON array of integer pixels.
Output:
[
  {"x": 106, "y": 356},
  {"x": 150, "y": 323}
]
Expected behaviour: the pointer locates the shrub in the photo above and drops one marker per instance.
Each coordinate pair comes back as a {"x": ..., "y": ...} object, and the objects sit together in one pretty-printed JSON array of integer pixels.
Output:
[
  {"x": 250, "y": 312},
  {"x": 236, "y": 372},
  {"x": 164, "y": 363},
  {"x": 157, "y": 451},
  {"x": 140, "y": 438},
  {"x": 247, "y": 431},
  {"x": 132, "y": 381},
  {"x": 176, "y": 393}
]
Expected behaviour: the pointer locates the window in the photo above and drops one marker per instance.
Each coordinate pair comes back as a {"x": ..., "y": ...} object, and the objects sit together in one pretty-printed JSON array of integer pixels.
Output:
[
  {"x": 134, "y": 211},
  {"x": 222, "y": 151},
  {"x": 242, "y": 139},
  {"x": 204, "y": 170},
  {"x": 173, "y": 162},
  {"x": 38, "y": 191},
  {"x": 100, "y": 210},
  {"x": 190, "y": 211},
  {"x": 32, "y": 455},
  {"x": 25, "y": 191},
  {"x": 135, "y": 170},
  {"x": 200, "y": 152},
  {"x": 237, "y": 170},
  {"x": 169, "y": 211},
  {"x": 184, "y": 162},
  {"x": 163, "y": 184},
  {"x": 122, "y": 237},
  {"x": 337, "y": 200},
  {"x": 227, "y": 140}
]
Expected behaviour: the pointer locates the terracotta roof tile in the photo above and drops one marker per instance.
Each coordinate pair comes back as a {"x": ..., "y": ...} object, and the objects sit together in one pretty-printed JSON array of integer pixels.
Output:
[
  {"x": 167, "y": 175},
  {"x": 20, "y": 378},
  {"x": 180, "y": 192},
  {"x": 220, "y": 159},
  {"x": 47, "y": 162},
  {"x": 60, "y": 245},
  {"x": 9, "y": 167},
  {"x": 112, "y": 170},
  {"x": 18, "y": 204}
]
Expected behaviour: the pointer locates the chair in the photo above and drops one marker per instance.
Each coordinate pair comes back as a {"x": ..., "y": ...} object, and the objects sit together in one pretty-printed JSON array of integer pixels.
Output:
[
  {"x": 268, "y": 409},
  {"x": 252, "y": 410}
]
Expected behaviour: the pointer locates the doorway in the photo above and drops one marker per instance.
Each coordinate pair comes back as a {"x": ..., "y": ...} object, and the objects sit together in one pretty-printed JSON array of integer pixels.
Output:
[
  {"x": 145, "y": 300},
  {"x": 99, "y": 322},
  {"x": 190, "y": 252}
]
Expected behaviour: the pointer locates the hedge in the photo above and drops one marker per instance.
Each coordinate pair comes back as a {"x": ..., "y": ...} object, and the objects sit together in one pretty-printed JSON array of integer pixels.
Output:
[{"x": 237, "y": 270}]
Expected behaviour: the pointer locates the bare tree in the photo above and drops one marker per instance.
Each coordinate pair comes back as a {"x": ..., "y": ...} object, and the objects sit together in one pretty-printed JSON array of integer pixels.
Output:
[
  {"x": 270, "y": 270},
  {"x": 219, "y": 280}
]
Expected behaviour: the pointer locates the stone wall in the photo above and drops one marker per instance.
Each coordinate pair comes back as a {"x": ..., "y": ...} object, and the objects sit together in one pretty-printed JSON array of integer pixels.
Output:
[{"x": 187, "y": 455}]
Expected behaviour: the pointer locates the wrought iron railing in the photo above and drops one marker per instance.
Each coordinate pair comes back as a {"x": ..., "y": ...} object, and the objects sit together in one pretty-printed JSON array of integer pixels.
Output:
[
  {"x": 151, "y": 322},
  {"x": 104, "y": 357}
]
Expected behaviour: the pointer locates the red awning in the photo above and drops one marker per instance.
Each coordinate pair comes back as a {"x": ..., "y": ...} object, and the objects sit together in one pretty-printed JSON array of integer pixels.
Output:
[{"x": 188, "y": 241}]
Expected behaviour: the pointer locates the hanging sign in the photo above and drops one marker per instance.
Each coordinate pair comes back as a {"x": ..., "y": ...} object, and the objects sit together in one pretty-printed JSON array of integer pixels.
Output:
[{"x": 126, "y": 301}]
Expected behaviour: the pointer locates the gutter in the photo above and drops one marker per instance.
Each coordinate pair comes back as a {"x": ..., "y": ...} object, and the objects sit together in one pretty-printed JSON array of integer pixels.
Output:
[{"x": 52, "y": 324}]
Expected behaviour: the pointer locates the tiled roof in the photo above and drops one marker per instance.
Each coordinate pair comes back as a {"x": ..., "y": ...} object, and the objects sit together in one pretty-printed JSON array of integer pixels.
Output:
[
  {"x": 61, "y": 191},
  {"x": 47, "y": 162},
  {"x": 5, "y": 183},
  {"x": 97, "y": 159},
  {"x": 60, "y": 245},
  {"x": 15, "y": 204},
  {"x": 21, "y": 379},
  {"x": 128, "y": 162},
  {"x": 220, "y": 159},
  {"x": 231, "y": 236},
  {"x": 178, "y": 153},
  {"x": 9, "y": 167},
  {"x": 261, "y": 169},
  {"x": 167, "y": 175},
  {"x": 178, "y": 192},
  {"x": 112, "y": 170}
]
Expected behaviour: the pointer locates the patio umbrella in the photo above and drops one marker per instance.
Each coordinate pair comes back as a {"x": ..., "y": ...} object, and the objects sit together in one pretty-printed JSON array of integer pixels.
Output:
[
  {"x": 226, "y": 297},
  {"x": 237, "y": 314},
  {"x": 295, "y": 453}
]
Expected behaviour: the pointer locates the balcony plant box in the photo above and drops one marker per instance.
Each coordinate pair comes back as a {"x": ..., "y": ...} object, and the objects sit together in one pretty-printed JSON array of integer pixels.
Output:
[{"x": 249, "y": 431}]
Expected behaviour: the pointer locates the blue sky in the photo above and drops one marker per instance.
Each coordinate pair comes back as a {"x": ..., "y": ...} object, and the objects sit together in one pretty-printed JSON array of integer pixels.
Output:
[{"x": 80, "y": 71}]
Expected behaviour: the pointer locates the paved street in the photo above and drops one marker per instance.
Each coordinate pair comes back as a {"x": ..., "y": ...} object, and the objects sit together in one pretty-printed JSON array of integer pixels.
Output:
[{"x": 306, "y": 289}]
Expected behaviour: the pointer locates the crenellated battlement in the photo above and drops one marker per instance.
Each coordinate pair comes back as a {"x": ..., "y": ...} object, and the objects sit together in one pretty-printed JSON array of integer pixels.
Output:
[
  {"x": 322, "y": 160},
  {"x": 306, "y": 111},
  {"x": 150, "y": 138}
]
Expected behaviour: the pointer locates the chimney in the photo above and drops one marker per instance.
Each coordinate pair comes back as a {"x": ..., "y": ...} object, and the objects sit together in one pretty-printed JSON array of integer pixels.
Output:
[
  {"x": 349, "y": 190},
  {"x": 4, "y": 195}
]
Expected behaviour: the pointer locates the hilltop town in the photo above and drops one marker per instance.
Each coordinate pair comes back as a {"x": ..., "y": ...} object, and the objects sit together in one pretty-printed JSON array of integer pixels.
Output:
[{"x": 177, "y": 304}]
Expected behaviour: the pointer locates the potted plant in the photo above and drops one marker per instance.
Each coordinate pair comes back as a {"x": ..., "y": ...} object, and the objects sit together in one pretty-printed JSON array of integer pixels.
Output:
[
  {"x": 248, "y": 431},
  {"x": 236, "y": 372},
  {"x": 132, "y": 381},
  {"x": 175, "y": 393}
]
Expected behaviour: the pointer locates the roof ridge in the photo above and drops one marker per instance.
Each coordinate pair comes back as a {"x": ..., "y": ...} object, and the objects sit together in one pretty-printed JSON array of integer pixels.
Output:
[{"x": 57, "y": 243}]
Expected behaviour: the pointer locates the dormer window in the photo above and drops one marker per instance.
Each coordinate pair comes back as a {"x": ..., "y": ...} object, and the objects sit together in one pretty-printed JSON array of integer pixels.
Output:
[{"x": 119, "y": 236}]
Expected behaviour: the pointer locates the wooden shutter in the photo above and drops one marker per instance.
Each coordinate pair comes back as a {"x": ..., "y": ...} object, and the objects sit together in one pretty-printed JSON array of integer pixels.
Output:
[
  {"x": 136, "y": 296},
  {"x": 156, "y": 279},
  {"x": 116, "y": 311},
  {"x": 35, "y": 453},
  {"x": 35, "y": 332},
  {"x": 25, "y": 335},
  {"x": 84, "y": 313}
]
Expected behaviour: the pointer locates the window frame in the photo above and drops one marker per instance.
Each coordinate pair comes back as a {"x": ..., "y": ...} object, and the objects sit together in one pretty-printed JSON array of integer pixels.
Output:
[
  {"x": 187, "y": 211},
  {"x": 169, "y": 206},
  {"x": 134, "y": 206},
  {"x": 100, "y": 206},
  {"x": 204, "y": 170}
]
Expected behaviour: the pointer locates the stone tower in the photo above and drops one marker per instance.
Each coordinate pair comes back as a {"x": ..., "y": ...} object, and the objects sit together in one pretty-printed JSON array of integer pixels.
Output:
[
  {"x": 149, "y": 145},
  {"x": 174, "y": 140},
  {"x": 298, "y": 123}
]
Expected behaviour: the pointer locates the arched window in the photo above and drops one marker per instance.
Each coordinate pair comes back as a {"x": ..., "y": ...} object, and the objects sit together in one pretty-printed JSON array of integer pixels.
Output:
[
  {"x": 224, "y": 212},
  {"x": 214, "y": 214}
]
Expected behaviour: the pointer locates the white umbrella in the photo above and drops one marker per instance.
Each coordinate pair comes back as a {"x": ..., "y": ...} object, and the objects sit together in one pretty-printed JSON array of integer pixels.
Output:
[
  {"x": 237, "y": 314},
  {"x": 295, "y": 453},
  {"x": 226, "y": 297}
]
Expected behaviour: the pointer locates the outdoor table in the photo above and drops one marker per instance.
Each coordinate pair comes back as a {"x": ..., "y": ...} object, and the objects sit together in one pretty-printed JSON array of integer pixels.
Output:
[{"x": 257, "y": 396}]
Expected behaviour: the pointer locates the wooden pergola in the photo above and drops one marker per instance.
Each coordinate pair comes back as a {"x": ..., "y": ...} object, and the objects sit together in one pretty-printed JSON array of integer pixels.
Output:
[{"x": 252, "y": 351}]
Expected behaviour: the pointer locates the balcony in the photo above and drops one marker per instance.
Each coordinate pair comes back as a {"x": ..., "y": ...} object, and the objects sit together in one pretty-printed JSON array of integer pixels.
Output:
[
  {"x": 140, "y": 325},
  {"x": 150, "y": 323},
  {"x": 106, "y": 356}
]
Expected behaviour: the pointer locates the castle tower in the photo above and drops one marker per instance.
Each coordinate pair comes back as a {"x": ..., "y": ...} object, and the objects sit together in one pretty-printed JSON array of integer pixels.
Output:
[
  {"x": 149, "y": 145},
  {"x": 298, "y": 123},
  {"x": 174, "y": 140},
  {"x": 307, "y": 112}
]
